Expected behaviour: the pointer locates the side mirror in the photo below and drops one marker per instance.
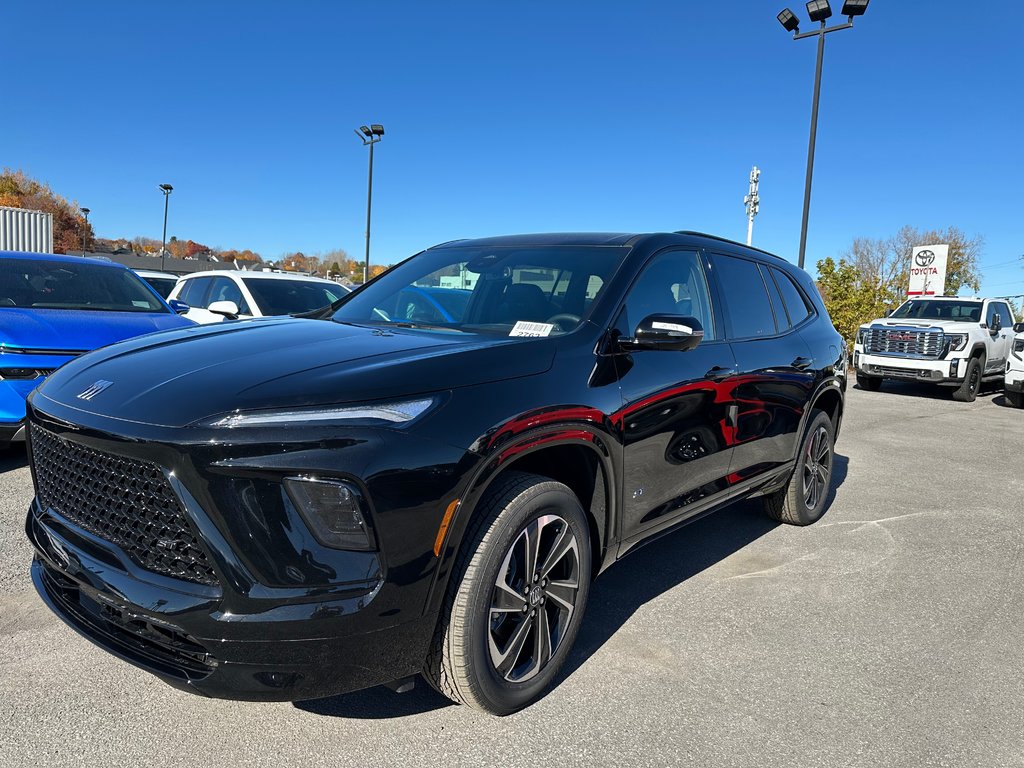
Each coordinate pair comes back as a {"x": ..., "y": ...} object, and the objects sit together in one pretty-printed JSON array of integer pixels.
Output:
[
  {"x": 667, "y": 332},
  {"x": 227, "y": 308},
  {"x": 996, "y": 325},
  {"x": 178, "y": 306},
  {"x": 1018, "y": 327}
]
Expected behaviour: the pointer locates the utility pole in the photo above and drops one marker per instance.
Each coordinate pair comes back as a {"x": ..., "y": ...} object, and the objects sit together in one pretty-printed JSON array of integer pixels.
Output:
[{"x": 753, "y": 202}]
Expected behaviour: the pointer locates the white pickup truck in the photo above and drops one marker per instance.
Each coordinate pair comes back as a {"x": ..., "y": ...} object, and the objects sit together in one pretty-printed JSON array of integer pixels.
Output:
[{"x": 944, "y": 340}]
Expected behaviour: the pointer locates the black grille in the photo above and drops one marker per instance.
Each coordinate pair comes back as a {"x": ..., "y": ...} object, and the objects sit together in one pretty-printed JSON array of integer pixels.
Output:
[{"x": 124, "y": 501}]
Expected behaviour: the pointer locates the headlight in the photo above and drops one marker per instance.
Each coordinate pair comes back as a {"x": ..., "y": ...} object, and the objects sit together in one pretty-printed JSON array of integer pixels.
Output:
[
  {"x": 957, "y": 341},
  {"x": 397, "y": 414},
  {"x": 334, "y": 511},
  {"x": 1018, "y": 348}
]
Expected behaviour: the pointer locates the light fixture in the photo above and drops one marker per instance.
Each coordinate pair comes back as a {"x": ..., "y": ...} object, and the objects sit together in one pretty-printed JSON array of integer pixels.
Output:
[
  {"x": 789, "y": 20},
  {"x": 819, "y": 10},
  {"x": 855, "y": 7}
]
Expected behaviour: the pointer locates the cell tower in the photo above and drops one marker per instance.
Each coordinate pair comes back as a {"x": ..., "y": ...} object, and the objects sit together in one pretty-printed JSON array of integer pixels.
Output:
[{"x": 753, "y": 202}]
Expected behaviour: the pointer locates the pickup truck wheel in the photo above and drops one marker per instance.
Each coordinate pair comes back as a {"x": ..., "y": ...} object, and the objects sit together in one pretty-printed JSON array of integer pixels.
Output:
[
  {"x": 802, "y": 501},
  {"x": 1016, "y": 399},
  {"x": 516, "y": 597},
  {"x": 968, "y": 391},
  {"x": 869, "y": 383}
]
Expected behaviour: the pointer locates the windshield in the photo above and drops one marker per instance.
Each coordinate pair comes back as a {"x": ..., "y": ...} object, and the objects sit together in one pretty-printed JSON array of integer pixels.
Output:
[
  {"x": 509, "y": 290},
  {"x": 162, "y": 285},
  {"x": 38, "y": 284},
  {"x": 287, "y": 297},
  {"x": 930, "y": 309}
]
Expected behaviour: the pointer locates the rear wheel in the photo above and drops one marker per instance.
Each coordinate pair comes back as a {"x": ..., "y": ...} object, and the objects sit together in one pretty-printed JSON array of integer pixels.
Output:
[
  {"x": 869, "y": 383},
  {"x": 516, "y": 598},
  {"x": 803, "y": 499},
  {"x": 968, "y": 391}
]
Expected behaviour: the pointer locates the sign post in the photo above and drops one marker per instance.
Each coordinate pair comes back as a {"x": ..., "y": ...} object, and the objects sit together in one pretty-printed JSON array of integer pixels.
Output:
[{"x": 928, "y": 270}]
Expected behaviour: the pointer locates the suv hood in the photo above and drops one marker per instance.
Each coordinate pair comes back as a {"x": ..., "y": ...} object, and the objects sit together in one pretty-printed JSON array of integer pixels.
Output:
[
  {"x": 174, "y": 379},
  {"x": 80, "y": 330}
]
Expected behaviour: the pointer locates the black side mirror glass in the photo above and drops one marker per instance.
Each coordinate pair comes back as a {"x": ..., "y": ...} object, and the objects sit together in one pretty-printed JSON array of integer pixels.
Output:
[
  {"x": 678, "y": 333},
  {"x": 1018, "y": 327}
]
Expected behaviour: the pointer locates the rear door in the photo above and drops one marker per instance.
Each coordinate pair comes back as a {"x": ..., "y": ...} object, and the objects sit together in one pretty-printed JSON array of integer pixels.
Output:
[{"x": 776, "y": 371}]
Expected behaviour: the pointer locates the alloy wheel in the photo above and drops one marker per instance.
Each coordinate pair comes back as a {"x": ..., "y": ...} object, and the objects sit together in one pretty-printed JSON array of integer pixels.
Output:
[
  {"x": 534, "y": 598},
  {"x": 817, "y": 468}
]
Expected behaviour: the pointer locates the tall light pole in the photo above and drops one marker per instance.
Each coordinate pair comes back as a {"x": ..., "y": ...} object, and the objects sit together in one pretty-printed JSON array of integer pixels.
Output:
[
  {"x": 369, "y": 135},
  {"x": 753, "y": 202},
  {"x": 166, "y": 189},
  {"x": 85, "y": 229},
  {"x": 819, "y": 11}
]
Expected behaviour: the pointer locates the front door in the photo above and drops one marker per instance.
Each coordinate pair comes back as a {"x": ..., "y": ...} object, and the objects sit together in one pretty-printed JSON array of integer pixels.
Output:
[{"x": 675, "y": 409}]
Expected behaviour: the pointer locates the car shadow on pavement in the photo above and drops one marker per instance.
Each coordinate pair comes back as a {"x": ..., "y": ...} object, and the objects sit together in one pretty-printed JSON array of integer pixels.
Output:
[
  {"x": 13, "y": 458},
  {"x": 1003, "y": 402},
  {"x": 614, "y": 598}
]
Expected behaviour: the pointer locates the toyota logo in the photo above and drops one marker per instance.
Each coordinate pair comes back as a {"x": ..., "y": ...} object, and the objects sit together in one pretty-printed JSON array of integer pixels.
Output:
[{"x": 925, "y": 258}]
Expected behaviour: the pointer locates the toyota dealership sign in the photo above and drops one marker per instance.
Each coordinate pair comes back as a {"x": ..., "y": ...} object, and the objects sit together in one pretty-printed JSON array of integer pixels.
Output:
[{"x": 928, "y": 270}]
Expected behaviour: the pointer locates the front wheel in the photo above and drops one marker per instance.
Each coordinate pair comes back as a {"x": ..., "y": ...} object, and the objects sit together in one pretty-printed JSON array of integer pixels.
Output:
[
  {"x": 802, "y": 500},
  {"x": 516, "y": 599},
  {"x": 968, "y": 391}
]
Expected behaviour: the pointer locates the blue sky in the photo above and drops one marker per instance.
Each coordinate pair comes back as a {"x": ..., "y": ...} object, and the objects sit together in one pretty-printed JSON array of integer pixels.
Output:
[{"x": 517, "y": 117}]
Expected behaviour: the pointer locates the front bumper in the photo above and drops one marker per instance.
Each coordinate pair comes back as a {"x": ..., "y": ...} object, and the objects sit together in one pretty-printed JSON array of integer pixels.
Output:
[
  {"x": 11, "y": 432},
  {"x": 949, "y": 371},
  {"x": 286, "y": 652}
]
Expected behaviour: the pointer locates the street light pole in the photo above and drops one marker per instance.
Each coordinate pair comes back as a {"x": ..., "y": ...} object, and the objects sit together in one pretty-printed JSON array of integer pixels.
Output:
[
  {"x": 369, "y": 135},
  {"x": 85, "y": 229},
  {"x": 819, "y": 11},
  {"x": 166, "y": 189}
]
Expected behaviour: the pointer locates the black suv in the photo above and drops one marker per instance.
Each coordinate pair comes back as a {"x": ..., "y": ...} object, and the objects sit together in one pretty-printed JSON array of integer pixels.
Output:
[{"x": 426, "y": 476}]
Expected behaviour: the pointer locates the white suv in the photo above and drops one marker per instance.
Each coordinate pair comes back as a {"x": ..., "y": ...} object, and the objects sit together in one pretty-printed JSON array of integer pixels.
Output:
[
  {"x": 228, "y": 294},
  {"x": 944, "y": 340},
  {"x": 1014, "y": 382}
]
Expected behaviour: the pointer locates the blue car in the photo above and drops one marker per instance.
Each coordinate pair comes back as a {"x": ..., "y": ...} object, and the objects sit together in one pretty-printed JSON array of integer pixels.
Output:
[{"x": 54, "y": 308}]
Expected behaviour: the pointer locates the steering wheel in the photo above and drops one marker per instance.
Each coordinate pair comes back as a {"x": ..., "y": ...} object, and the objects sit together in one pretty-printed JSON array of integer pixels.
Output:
[{"x": 564, "y": 317}]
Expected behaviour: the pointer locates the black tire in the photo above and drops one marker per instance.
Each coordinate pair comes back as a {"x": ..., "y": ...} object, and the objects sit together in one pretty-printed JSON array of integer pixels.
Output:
[
  {"x": 802, "y": 500},
  {"x": 968, "y": 391},
  {"x": 869, "y": 383},
  {"x": 1016, "y": 399},
  {"x": 480, "y": 621}
]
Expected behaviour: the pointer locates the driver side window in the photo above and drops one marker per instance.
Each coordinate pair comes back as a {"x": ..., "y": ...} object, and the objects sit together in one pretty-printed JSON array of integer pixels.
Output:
[{"x": 672, "y": 283}]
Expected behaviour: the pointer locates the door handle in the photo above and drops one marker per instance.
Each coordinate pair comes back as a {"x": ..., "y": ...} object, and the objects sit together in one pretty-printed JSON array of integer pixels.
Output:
[
  {"x": 801, "y": 363},
  {"x": 718, "y": 372}
]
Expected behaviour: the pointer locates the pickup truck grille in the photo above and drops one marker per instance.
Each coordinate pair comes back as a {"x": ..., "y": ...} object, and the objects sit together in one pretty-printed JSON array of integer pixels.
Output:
[{"x": 905, "y": 342}]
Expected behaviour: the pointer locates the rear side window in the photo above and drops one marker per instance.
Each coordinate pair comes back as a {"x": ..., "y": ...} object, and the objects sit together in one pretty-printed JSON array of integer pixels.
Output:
[
  {"x": 796, "y": 304},
  {"x": 748, "y": 308}
]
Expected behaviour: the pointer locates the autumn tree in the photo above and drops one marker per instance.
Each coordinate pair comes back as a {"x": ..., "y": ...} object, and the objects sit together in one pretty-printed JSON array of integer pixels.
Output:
[{"x": 70, "y": 228}]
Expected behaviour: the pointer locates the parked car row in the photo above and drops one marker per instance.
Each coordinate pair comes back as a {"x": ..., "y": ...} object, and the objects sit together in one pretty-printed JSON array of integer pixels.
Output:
[{"x": 423, "y": 477}]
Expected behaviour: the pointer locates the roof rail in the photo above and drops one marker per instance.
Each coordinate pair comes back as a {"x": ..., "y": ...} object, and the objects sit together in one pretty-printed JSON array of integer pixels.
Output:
[{"x": 730, "y": 242}]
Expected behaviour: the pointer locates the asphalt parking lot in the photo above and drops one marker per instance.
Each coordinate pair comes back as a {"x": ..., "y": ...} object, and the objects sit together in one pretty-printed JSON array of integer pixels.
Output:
[{"x": 889, "y": 633}]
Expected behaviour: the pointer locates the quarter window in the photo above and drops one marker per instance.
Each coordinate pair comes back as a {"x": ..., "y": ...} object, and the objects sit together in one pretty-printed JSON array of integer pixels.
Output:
[
  {"x": 796, "y": 304},
  {"x": 748, "y": 308}
]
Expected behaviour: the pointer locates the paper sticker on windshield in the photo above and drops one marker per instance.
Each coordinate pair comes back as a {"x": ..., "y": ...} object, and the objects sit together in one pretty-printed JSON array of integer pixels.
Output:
[
  {"x": 672, "y": 327},
  {"x": 533, "y": 330}
]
